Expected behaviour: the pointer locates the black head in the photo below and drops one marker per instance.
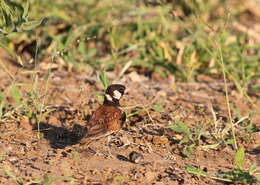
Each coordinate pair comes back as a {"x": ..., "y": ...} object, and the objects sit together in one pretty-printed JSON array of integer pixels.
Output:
[{"x": 113, "y": 94}]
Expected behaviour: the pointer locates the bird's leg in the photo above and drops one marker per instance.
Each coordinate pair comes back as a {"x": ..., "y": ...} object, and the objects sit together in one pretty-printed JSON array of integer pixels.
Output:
[{"x": 108, "y": 147}]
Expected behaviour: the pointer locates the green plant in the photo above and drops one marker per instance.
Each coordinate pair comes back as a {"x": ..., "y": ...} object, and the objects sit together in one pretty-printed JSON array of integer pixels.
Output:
[
  {"x": 104, "y": 79},
  {"x": 30, "y": 104},
  {"x": 190, "y": 139},
  {"x": 237, "y": 176},
  {"x": 157, "y": 107},
  {"x": 49, "y": 180},
  {"x": 7, "y": 171},
  {"x": 191, "y": 64},
  {"x": 16, "y": 95},
  {"x": 151, "y": 36},
  {"x": 14, "y": 17}
]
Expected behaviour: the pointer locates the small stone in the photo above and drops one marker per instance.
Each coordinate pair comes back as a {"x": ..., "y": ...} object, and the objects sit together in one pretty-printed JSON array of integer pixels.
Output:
[{"x": 135, "y": 157}]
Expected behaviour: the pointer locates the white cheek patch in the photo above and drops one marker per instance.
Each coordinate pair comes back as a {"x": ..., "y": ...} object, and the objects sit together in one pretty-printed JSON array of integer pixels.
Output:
[
  {"x": 108, "y": 97},
  {"x": 117, "y": 94}
]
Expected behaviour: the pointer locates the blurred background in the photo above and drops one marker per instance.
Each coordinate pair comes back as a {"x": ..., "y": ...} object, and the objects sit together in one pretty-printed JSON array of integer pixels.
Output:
[{"x": 194, "y": 40}]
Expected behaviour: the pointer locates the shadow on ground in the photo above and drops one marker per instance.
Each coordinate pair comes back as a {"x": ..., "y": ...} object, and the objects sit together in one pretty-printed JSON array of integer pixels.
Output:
[{"x": 60, "y": 137}]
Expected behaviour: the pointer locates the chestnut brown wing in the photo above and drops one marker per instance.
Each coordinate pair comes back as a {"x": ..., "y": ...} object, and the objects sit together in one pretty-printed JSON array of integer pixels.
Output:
[{"x": 105, "y": 118}]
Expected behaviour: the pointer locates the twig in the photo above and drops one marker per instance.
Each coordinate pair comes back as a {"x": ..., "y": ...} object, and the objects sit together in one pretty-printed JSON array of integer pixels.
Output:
[
  {"x": 181, "y": 47},
  {"x": 226, "y": 94},
  {"x": 127, "y": 65},
  {"x": 214, "y": 116},
  {"x": 147, "y": 111},
  {"x": 239, "y": 121}
]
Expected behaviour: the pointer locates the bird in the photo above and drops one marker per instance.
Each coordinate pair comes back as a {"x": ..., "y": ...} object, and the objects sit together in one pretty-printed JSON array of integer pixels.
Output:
[{"x": 109, "y": 117}]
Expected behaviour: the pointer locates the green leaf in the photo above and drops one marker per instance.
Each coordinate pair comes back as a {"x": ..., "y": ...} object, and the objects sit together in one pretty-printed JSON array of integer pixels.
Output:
[
  {"x": 26, "y": 10},
  {"x": 185, "y": 139},
  {"x": 2, "y": 97},
  {"x": 229, "y": 142},
  {"x": 211, "y": 146},
  {"x": 157, "y": 108},
  {"x": 16, "y": 95},
  {"x": 188, "y": 150},
  {"x": 104, "y": 79},
  {"x": 239, "y": 159},
  {"x": 49, "y": 180},
  {"x": 13, "y": 17},
  {"x": 119, "y": 178},
  {"x": 238, "y": 176},
  {"x": 16, "y": 12},
  {"x": 196, "y": 171},
  {"x": 180, "y": 127},
  {"x": 253, "y": 128},
  {"x": 252, "y": 169},
  {"x": 7, "y": 29},
  {"x": 29, "y": 25}
]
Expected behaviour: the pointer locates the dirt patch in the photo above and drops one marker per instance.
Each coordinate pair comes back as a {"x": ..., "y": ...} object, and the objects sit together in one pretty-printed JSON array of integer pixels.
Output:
[{"x": 50, "y": 151}]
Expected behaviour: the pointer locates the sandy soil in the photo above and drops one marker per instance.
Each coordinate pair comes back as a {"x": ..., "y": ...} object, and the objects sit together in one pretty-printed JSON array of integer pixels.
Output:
[{"x": 49, "y": 152}]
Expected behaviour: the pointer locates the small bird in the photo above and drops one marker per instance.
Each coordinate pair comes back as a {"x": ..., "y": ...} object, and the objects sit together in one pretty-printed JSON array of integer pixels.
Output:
[{"x": 108, "y": 118}]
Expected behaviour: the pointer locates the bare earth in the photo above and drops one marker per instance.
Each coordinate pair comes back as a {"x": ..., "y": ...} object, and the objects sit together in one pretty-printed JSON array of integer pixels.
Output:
[{"x": 29, "y": 152}]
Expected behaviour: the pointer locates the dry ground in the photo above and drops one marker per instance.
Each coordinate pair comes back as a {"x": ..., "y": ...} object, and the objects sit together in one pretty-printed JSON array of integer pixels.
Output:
[{"x": 73, "y": 96}]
